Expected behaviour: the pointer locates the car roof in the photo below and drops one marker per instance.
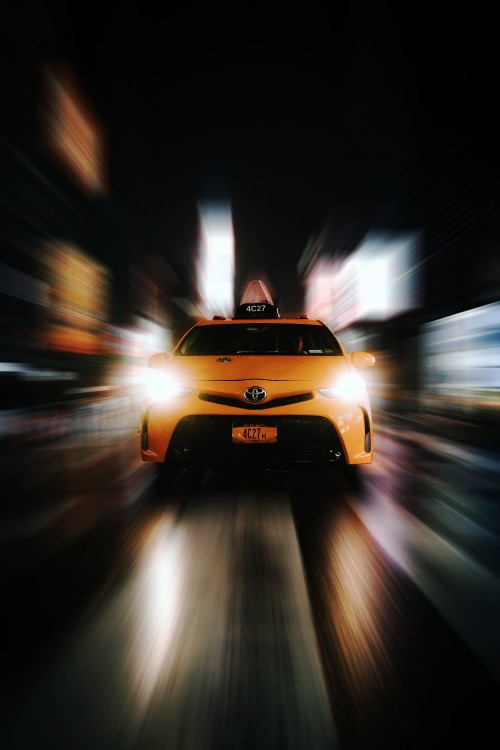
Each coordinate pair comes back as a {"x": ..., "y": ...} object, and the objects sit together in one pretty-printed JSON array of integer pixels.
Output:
[{"x": 266, "y": 321}]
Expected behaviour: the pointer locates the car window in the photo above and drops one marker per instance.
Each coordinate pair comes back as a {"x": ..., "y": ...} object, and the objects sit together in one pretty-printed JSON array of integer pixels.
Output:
[{"x": 259, "y": 338}]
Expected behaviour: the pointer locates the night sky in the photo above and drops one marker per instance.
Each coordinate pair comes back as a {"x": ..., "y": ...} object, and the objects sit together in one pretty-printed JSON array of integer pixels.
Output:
[{"x": 359, "y": 116}]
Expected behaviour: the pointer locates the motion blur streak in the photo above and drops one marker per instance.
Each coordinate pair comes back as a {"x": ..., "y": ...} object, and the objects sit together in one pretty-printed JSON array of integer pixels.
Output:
[
  {"x": 442, "y": 529},
  {"x": 342, "y": 291},
  {"x": 156, "y": 606},
  {"x": 215, "y": 272},
  {"x": 398, "y": 675},
  {"x": 208, "y": 642},
  {"x": 461, "y": 365},
  {"x": 366, "y": 631},
  {"x": 357, "y": 600}
]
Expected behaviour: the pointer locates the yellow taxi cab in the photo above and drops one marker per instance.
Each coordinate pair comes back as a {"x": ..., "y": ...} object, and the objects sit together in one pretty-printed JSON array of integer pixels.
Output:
[{"x": 257, "y": 389}]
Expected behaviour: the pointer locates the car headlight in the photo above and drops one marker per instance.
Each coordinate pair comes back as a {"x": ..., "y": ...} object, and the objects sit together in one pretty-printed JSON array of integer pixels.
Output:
[
  {"x": 162, "y": 386},
  {"x": 350, "y": 386}
]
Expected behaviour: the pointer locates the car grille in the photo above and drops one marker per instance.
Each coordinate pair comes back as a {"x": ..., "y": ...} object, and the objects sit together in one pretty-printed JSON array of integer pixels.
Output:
[
  {"x": 207, "y": 440},
  {"x": 240, "y": 404}
]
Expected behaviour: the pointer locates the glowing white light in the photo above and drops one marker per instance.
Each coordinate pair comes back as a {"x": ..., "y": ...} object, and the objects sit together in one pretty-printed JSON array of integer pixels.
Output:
[
  {"x": 320, "y": 290},
  {"x": 161, "y": 386},
  {"x": 377, "y": 280},
  {"x": 461, "y": 358},
  {"x": 374, "y": 287},
  {"x": 387, "y": 274},
  {"x": 156, "y": 608},
  {"x": 349, "y": 386},
  {"x": 216, "y": 260}
]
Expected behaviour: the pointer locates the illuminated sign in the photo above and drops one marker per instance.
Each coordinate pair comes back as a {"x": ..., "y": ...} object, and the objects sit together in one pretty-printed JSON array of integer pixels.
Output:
[
  {"x": 216, "y": 259},
  {"x": 461, "y": 359},
  {"x": 77, "y": 300},
  {"x": 375, "y": 282},
  {"x": 72, "y": 133}
]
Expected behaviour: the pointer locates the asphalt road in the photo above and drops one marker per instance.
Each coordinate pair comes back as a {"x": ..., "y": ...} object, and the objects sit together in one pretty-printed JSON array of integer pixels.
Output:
[{"x": 263, "y": 610}]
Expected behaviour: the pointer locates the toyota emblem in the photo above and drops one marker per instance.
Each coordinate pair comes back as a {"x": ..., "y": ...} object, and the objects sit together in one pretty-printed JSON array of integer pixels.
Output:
[{"x": 255, "y": 394}]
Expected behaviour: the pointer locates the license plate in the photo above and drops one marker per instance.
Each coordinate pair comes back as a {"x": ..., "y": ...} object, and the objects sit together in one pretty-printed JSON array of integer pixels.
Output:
[{"x": 255, "y": 433}]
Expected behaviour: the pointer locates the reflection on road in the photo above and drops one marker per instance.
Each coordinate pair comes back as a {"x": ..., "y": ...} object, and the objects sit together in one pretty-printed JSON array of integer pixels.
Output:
[
  {"x": 156, "y": 604},
  {"x": 437, "y": 518},
  {"x": 207, "y": 641},
  {"x": 398, "y": 673}
]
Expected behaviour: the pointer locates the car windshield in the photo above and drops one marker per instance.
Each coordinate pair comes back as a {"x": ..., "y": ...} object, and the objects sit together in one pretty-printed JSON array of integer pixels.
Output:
[{"x": 259, "y": 338}]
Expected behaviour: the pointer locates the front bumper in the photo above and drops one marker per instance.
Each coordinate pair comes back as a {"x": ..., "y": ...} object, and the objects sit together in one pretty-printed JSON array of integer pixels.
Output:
[
  {"x": 207, "y": 440},
  {"x": 318, "y": 431}
]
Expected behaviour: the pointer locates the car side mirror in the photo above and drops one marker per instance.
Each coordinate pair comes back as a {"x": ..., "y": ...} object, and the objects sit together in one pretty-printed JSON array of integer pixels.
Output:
[
  {"x": 156, "y": 361},
  {"x": 362, "y": 359}
]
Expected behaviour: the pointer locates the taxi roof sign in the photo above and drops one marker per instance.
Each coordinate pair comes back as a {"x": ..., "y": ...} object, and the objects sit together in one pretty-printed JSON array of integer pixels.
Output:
[
  {"x": 256, "y": 292},
  {"x": 256, "y": 302}
]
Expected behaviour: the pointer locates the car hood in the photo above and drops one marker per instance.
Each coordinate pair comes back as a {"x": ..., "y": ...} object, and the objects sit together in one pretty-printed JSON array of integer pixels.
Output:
[{"x": 304, "y": 371}]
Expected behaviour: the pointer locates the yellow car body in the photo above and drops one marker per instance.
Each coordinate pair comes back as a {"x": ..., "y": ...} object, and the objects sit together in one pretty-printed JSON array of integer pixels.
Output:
[{"x": 217, "y": 404}]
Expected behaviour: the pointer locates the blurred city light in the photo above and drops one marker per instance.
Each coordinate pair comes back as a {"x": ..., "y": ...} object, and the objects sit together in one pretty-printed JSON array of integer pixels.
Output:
[
  {"x": 215, "y": 273},
  {"x": 389, "y": 283},
  {"x": 320, "y": 289},
  {"x": 72, "y": 132},
  {"x": 378, "y": 280},
  {"x": 77, "y": 300},
  {"x": 461, "y": 361}
]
